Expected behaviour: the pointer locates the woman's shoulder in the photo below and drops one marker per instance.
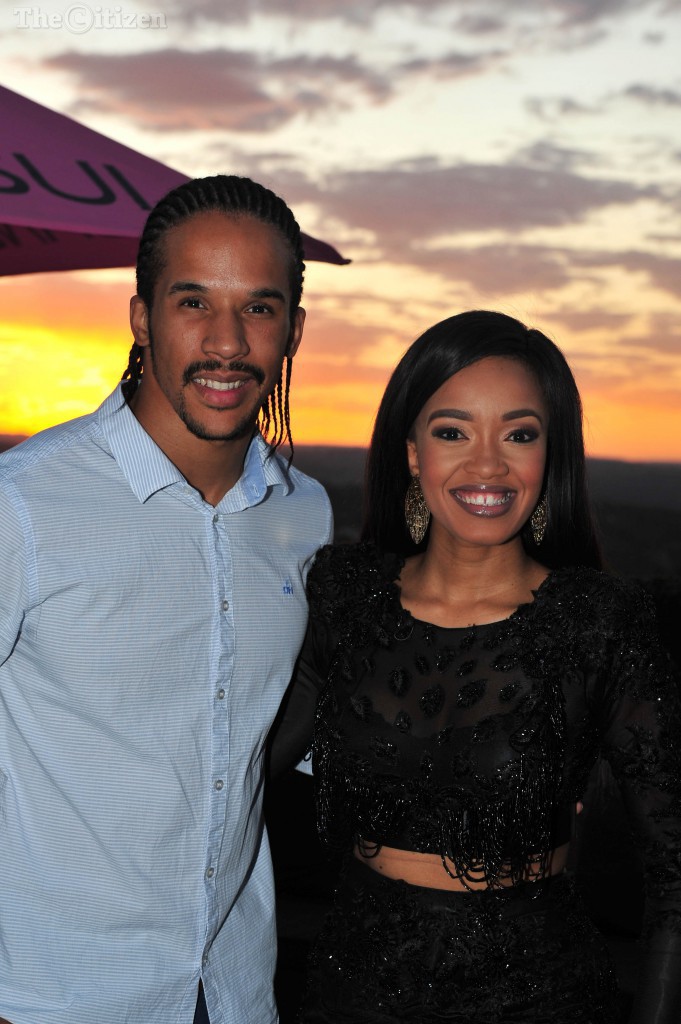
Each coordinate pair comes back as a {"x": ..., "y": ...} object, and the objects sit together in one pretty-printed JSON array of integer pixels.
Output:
[
  {"x": 350, "y": 563},
  {"x": 595, "y": 596},
  {"x": 349, "y": 573}
]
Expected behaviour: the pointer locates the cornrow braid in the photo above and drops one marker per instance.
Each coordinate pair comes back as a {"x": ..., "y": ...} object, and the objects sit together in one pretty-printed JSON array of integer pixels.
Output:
[{"x": 232, "y": 195}]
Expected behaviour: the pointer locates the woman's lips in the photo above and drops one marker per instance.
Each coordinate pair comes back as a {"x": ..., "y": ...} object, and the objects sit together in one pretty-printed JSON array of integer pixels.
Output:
[{"x": 488, "y": 502}]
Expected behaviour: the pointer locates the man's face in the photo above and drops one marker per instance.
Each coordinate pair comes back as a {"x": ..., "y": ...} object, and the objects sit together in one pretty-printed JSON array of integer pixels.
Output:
[{"x": 218, "y": 329}]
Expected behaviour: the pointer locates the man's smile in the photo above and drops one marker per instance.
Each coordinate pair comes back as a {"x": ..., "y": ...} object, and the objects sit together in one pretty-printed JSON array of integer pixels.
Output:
[{"x": 220, "y": 385}]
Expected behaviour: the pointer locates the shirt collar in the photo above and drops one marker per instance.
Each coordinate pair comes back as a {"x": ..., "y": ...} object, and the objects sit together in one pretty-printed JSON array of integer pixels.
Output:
[
  {"x": 148, "y": 470},
  {"x": 263, "y": 468}
]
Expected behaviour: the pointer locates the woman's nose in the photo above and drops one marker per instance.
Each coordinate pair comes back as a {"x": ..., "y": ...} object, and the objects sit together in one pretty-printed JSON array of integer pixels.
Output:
[{"x": 485, "y": 460}]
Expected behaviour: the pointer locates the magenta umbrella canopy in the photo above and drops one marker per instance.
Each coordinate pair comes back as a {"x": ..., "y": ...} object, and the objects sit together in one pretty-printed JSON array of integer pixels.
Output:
[{"x": 72, "y": 199}]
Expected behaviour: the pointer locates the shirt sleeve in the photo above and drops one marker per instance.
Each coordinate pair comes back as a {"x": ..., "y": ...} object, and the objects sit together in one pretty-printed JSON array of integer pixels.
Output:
[
  {"x": 642, "y": 721},
  {"x": 13, "y": 590}
]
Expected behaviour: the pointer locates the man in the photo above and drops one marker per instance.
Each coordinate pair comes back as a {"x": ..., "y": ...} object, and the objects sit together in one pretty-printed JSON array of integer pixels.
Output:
[{"x": 152, "y": 558}]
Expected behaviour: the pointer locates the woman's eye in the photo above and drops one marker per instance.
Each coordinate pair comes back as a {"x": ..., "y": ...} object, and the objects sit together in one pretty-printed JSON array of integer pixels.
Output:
[
  {"x": 449, "y": 433},
  {"x": 523, "y": 435}
]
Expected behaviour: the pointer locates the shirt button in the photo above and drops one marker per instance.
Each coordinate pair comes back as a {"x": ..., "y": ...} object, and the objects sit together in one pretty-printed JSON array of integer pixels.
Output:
[
  {"x": 225, "y": 606},
  {"x": 210, "y": 872},
  {"x": 204, "y": 960},
  {"x": 221, "y": 694},
  {"x": 216, "y": 517},
  {"x": 219, "y": 784}
]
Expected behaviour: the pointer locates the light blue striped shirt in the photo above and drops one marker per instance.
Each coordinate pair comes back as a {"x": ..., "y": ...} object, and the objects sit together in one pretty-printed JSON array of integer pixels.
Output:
[{"x": 146, "y": 639}]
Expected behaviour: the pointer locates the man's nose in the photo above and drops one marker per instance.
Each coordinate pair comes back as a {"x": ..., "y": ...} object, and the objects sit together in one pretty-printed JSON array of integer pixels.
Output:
[{"x": 225, "y": 337}]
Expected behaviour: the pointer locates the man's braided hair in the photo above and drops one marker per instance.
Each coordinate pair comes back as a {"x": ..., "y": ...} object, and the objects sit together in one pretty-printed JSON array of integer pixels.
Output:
[{"x": 234, "y": 196}]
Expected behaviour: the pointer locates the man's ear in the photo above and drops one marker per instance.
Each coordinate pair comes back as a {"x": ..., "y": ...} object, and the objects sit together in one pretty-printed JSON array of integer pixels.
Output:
[
  {"x": 412, "y": 457},
  {"x": 139, "y": 321},
  {"x": 296, "y": 332}
]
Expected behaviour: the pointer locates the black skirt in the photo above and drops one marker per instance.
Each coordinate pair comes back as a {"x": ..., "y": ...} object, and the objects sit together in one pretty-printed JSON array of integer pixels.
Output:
[{"x": 390, "y": 951}]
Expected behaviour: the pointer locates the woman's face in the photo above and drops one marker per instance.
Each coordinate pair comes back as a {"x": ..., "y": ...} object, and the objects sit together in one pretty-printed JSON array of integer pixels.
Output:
[{"x": 479, "y": 448}]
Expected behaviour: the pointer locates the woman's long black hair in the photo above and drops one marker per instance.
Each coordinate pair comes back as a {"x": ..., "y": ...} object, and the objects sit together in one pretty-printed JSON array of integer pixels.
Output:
[{"x": 443, "y": 350}]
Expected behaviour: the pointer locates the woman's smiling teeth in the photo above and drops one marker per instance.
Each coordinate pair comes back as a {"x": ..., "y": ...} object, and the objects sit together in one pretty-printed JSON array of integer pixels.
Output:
[
  {"x": 484, "y": 499},
  {"x": 487, "y": 502}
]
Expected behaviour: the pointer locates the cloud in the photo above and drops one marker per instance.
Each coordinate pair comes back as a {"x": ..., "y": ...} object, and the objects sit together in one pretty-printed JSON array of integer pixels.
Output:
[
  {"x": 353, "y": 11},
  {"x": 182, "y": 90},
  {"x": 664, "y": 335},
  {"x": 663, "y": 272},
  {"x": 239, "y": 90},
  {"x": 581, "y": 12},
  {"x": 498, "y": 269},
  {"x": 547, "y": 154},
  {"x": 582, "y": 320},
  {"x": 418, "y": 201},
  {"x": 557, "y": 108},
  {"x": 653, "y": 97},
  {"x": 493, "y": 15},
  {"x": 451, "y": 65},
  {"x": 481, "y": 24}
]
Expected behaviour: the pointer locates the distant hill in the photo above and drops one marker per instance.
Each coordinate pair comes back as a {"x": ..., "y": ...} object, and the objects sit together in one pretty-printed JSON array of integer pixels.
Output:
[
  {"x": 646, "y": 484},
  {"x": 9, "y": 440}
]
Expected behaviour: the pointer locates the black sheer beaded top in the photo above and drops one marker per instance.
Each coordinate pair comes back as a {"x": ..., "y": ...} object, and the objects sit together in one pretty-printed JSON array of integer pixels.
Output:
[{"x": 474, "y": 743}]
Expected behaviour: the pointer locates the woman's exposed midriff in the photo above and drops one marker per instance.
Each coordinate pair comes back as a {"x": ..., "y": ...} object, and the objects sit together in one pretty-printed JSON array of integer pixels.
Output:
[{"x": 428, "y": 869}]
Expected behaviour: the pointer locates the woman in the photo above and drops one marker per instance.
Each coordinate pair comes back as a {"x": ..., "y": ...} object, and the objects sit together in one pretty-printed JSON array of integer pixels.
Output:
[{"x": 471, "y": 663}]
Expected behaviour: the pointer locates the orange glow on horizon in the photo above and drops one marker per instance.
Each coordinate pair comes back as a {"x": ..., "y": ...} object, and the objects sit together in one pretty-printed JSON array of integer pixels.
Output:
[{"x": 52, "y": 375}]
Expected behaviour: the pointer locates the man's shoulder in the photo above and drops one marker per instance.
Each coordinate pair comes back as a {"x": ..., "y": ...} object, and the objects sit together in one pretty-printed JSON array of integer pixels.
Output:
[
  {"x": 297, "y": 484},
  {"x": 306, "y": 484},
  {"x": 46, "y": 447}
]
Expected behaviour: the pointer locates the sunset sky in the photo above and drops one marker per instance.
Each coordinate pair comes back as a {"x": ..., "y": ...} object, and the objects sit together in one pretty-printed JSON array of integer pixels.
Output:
[{"x": 523, "y": 157}]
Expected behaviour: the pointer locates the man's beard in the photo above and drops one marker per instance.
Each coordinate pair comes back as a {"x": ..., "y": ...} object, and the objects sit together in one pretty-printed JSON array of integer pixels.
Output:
[{"x": 244, "y": 427}]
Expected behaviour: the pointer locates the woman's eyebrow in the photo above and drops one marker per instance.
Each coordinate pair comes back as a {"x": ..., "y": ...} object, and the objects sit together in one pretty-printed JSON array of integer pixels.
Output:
[
  {"x": 455, "y": 414},
  {"x": 518, "y": 414}
]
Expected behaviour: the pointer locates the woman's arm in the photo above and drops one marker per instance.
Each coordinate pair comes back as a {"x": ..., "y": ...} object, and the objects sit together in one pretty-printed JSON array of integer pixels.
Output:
[{"x": 290, "y": 737}]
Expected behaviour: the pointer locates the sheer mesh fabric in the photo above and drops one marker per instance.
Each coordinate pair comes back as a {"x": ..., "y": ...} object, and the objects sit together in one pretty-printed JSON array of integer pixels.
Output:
[{"x": 475, "y": 743}]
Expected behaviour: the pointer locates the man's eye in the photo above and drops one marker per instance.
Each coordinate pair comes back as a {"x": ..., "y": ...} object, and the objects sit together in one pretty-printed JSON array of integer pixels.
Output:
[
  {"x": 192, "y": 303},
  {"x": 258, "y": 307}
]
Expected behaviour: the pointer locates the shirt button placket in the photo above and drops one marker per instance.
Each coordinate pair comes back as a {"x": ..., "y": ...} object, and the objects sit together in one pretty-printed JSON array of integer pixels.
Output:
[{"x": 220, "y": 746}]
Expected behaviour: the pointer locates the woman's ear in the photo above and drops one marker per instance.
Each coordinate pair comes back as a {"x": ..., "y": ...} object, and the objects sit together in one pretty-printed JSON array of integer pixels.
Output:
[{"x": 412, "y": 458}]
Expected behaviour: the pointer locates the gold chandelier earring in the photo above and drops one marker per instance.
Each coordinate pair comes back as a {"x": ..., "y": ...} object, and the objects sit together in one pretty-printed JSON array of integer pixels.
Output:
[
  {"x": 538, "y": 521},
  {"x": 416, "y": 512}
]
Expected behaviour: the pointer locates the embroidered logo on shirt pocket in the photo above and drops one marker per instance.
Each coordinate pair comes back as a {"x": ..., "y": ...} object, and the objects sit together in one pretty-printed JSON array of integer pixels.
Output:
[{"x": 287, "y": 588}]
